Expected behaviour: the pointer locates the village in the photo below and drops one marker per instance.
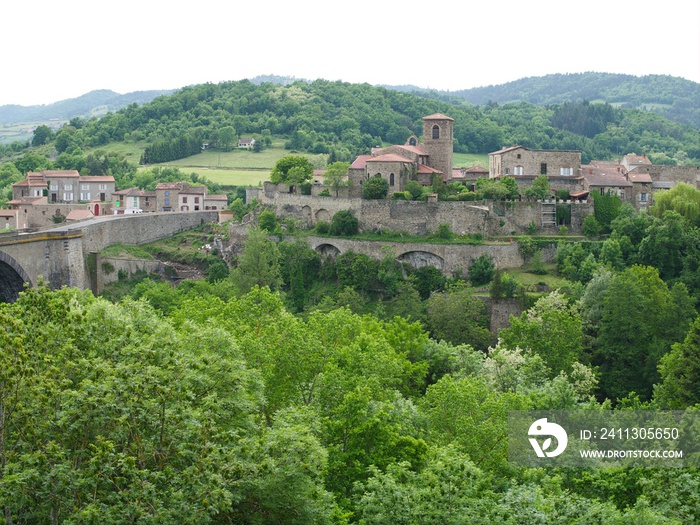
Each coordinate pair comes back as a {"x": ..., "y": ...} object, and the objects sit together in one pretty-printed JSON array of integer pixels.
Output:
[{"x": 47, "y": 198}]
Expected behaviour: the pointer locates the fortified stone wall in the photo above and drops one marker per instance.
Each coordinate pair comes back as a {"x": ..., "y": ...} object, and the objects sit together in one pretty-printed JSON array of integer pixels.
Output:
[
  {"x": 139, "y": 229},
  {"x": 418, "y": 218}
]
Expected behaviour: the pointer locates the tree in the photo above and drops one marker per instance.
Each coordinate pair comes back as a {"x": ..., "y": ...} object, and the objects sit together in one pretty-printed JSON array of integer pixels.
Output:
[
  {"x": 415, "y": 189},
  {"x": 42, "y": 135},
  {"x": 540, "y": 188},
  {"x": 683, "y": 199},
  {"x": 227, "y": 138},
  {"x": 258, "y": 264},
  {"x": 481, "y": 270},
  {"x": 552, "y": 329},
  {"x": 336, "y": 176},
  {"x": 375, "y": 188},
  {"x": 458, "y": 317},
  {"x": 291, "y": 169},
  {"x": 344, "y": 222},
  {"x": 680, "y": 373}
]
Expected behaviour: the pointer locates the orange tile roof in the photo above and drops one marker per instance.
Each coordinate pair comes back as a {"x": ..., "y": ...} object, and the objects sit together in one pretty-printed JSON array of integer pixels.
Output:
[
  {"x": 359, "y": 162},
  {"x": 438, "y": 116},
  {"x": 389, "y": 157}
]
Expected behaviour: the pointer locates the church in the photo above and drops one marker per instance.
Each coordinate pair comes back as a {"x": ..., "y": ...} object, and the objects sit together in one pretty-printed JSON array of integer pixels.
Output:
[{"x": 410, "y": 161}]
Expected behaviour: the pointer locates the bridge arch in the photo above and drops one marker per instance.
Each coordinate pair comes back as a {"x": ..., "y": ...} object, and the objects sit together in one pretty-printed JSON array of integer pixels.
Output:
[
  {"x": 418, "y": 259},
  {"x": 12, "y": 278},
  {"x": 328, "y": 250}
]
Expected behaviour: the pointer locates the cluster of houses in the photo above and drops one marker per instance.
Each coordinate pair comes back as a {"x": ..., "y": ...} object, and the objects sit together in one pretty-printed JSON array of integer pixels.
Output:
[
  {"x": 634, "y": 178},
  {"x": 49, "y": 197}
]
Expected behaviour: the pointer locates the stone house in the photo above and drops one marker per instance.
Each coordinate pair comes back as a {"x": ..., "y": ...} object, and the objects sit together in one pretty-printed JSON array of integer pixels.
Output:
[
  {"x": 606, "y": 177},
  {"x": 520, "y": 161},
  {"x": 134, "y": 200},
  {"x": 191, "y": 198},
  {"x": 8, "y": 219},
  {"x": 180, "y": 196},
  {"x": 413, "y": 160},
  {"x": 246, "y": 143},
  {"x": 215, "y": 202},
  {"x": 65, "y": 187}
]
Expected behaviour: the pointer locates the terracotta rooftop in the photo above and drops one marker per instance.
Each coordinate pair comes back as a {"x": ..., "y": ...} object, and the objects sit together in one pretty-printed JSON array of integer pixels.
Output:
[
  {"x": 170, "y": 185},
  {"x": 422, "y": 168},
  {"x": 96, "y": 178},
  {"x": 389, "y": 157},
  {"x": 360, "y": 162},
  {"x": 193, "y": 190},
  {"x": 639, "y": 176},
  {"x": 79, "y": 215},
  {"x": 55, "y": 173},
  {"x": 217, "y": 197},
  {"x": 438, "y": 116}
]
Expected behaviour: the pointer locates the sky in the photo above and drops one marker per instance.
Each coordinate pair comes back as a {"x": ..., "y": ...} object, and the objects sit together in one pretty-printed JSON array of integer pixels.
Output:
[{"x": 51, "y": 51}]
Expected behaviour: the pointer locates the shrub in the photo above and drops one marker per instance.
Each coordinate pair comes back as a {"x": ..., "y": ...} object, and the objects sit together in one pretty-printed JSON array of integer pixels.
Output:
[
  {"x": 323, "y": 228},
  {"x": 344, "y": 223},
  {"x": 305, "y": 187},
  {"x": 268, "y": 221},
  {"x": 324, "y": 193},
  {"x": 414, "y": 189},
  {"x": 481, "y": 270},
  {"x": 591, "y": 227},
  {"x": 443, "y": 232},
  {"x": 375, "y": 188}
]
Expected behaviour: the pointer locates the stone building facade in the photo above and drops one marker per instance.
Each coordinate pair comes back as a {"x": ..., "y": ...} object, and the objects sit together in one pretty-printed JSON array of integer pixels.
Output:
[
  {"x": 522, "y": 161},
  {"x": 413, "y": 160}
]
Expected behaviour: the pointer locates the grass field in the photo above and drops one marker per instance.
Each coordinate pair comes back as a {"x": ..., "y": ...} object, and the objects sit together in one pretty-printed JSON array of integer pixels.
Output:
[
  {"x": 467, "y": 160},
  {"x": 243, "y": 167}
]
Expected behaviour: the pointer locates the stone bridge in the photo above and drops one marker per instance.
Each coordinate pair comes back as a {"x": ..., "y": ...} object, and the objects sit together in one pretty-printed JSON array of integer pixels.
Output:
[
  {"x": 59, "y": 256},
  {"x": 450, "y": 258}
]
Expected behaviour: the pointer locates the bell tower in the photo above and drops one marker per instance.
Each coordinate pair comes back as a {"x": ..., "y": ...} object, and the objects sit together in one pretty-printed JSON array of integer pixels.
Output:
[{"x": 438, "y": 131}]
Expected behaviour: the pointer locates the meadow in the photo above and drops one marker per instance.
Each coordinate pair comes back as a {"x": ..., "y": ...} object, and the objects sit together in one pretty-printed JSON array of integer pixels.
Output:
[{"x": 241, "y": 167}]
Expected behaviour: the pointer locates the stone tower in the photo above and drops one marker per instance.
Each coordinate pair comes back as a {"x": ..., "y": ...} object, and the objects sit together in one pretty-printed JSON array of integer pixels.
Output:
[{"x": 438, "y": 142}]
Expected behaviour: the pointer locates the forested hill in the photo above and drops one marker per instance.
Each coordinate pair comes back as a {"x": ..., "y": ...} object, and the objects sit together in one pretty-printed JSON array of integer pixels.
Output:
[
  {"x": 96, "y": 102},
  {"x": 344, "y": 120},
  {"x": 675, "y": 98}
]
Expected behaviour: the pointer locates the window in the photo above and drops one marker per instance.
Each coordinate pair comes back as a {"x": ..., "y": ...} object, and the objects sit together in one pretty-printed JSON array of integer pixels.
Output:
[
  {"x": 507, "y": 171},
  {"x": 84, "y": 187},
  {"x": 184, "y": 200},
  {"x": 543, "y": 168},
  {"x": 167, "y": 194},
  {"x": 412, "y": 141},
  {"x": 566, "y": 171},
  {"x": 519, "y": 155},
  {"x": 643, "y": 197},
  {"x": 68, "y": 187},
  {"x": 436, "y": 131},
  {"x": 103, "y": 187},
  {"x": 196, "y": 200},
  {"x": 54, "y": 187},
  {"x": 68, "y": 197},
  {"x": 136, "y": 202},
  {"x": 167, "y": 201},
  {"x": 518, "y": 170},
  {"x": 84, "y": 195},
  {"x": 391, "y": 179}
]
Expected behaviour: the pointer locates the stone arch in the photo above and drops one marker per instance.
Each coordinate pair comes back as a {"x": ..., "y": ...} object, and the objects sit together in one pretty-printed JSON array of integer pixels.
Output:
[
  {"x": 12, "y": 278},
  {"x": 323, "y": 215},
  {"x": 306, "y": 213},
  {"x": 436, "y": 131},
  {"x": 328, "y": 250},
  {"x": 418, "y": 259}
]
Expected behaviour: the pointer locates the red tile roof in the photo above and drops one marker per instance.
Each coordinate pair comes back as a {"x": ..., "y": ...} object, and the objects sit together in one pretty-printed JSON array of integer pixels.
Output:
[
  {"x": 360, "y": 162},
  {"x": 389, "y": 157},
  {"x": 438, "y": 116}
]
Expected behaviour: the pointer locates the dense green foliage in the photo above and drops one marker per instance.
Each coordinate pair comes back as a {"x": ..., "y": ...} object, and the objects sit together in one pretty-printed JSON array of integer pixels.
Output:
[
  {"x": 202, "y": 405},
  {"x": 675, "y": 98}
]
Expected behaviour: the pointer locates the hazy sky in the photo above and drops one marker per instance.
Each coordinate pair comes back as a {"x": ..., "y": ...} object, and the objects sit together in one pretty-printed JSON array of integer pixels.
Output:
[{"x": 56, "y": 50}]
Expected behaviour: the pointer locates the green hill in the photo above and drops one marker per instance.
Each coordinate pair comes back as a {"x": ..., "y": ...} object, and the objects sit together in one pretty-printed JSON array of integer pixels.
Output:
[{"x": 675, "y": 98}]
